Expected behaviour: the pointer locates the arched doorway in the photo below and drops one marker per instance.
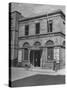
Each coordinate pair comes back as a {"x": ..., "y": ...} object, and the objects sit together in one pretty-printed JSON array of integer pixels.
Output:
[{"x": 35, "y": 54}]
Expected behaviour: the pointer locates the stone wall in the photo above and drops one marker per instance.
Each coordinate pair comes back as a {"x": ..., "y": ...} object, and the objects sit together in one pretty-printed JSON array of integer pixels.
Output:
[
  {"x": 62, "y": 58},
  {"x": 56, "y": 39},
  {"x": 15, "y": 16},
  {"x": 58, "y": 25}
]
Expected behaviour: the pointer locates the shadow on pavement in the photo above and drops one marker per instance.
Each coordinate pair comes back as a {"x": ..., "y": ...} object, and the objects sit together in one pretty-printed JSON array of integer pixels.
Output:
[{"x": 37, "y": 80}]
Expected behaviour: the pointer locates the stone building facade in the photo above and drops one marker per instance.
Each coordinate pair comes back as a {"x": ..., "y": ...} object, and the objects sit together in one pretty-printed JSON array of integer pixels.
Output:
[{"x": 40, "y": 40}]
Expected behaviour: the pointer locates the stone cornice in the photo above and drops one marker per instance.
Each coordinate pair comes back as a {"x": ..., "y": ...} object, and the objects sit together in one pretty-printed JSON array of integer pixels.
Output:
[
  {"x": 42, "y": 35},
  {"x": 41, "y": 47}
]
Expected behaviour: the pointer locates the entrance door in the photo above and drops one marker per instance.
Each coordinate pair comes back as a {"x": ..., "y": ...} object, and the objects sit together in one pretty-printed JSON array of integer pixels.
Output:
[{"x": 35, "y": 56}]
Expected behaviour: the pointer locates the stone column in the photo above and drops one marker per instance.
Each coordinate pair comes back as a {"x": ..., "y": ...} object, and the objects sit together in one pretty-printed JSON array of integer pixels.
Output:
[
  {"x": 22, "y": 54},
  {"x": 57, "y": 57},
  {"x": 56, "y": 54},
  {"x": 29, "y": 56},
  {"x": 43, "y": 57},
  {"x": 62, "y": 57}
]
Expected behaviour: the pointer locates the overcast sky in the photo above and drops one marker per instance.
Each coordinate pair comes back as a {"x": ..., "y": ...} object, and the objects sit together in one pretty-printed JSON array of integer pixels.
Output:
[{"x": 29, "y": 10}]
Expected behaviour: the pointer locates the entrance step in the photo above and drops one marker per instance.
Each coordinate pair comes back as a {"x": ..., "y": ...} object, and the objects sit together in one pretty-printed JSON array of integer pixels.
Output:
[
  {"x": 48, "y": 66},
  {"x": 42, "y": 70}
]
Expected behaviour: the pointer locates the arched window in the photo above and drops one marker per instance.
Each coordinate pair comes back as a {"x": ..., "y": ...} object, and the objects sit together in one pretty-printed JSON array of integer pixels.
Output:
[
  {"x": 49, "y": 45},
  {"x": 26, "y": 46},
  {"x": 36, "y": 44}
]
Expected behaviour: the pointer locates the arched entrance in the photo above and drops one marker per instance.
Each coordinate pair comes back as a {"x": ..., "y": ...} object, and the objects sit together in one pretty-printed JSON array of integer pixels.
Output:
[{"x": 35, "y": 54}]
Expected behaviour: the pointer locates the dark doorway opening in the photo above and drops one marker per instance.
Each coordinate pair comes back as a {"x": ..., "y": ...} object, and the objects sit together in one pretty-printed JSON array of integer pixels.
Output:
[{"x": 35, "y": 56}]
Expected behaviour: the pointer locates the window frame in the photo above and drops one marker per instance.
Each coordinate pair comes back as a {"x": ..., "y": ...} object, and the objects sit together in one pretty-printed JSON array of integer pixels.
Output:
[
  {"x": 50, "y": 28},
  {"x": 25, "y": 54},
  {"x": 26, "y": 30},
  {"x": 51, "y": 57},
  {"x": 37, "y": 27}
]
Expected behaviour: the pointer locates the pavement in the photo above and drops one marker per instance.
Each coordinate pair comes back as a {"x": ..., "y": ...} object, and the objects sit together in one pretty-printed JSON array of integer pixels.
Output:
[
  {"x": 21, "y": 73},
  {"x": 39, "y": 80}
]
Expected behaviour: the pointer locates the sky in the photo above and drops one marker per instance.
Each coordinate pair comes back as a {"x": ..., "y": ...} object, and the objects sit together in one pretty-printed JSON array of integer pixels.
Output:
[{"x": 30, "y": 10}]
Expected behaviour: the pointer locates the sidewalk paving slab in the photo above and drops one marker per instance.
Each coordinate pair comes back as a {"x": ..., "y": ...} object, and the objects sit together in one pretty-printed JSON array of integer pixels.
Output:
[{"x": 18, "y": 73}]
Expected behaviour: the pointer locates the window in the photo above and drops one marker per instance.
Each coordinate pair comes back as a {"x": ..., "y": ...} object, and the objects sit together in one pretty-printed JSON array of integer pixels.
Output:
[
  {"x": 26, "y": 50},
  {"x": 50, "y": 53},
  {"x": 37, "y": 28},
  {"x": 26, "y": 29},
  {"x": 25, "y": 54},
  {"x": 49, "y": 26},
  {"x": 50, "y": 49},
  {"x": 36, "y": 44}
]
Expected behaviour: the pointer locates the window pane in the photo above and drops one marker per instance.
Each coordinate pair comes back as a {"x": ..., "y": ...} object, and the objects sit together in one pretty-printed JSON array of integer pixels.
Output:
[
  {"x": 49, "y": 26},
  {"x": 26, "y": 29},
  {"x": 50, "y": 53},
  {"x": 37, "y": 28},
  {"x": 25, "y": 54}
]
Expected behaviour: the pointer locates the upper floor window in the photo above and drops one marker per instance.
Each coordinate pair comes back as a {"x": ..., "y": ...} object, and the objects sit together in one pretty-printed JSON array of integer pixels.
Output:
[
  {"x": 26, "y": 29},
  {"x": 37, "y": 28},
  {"x": 50, "y": 24}
]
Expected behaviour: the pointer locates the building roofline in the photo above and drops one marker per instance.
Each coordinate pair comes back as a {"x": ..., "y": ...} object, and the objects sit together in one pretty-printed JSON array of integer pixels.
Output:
[
  {"x": 16, "y": 12},
  {"x": 45, "y": 15}
]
